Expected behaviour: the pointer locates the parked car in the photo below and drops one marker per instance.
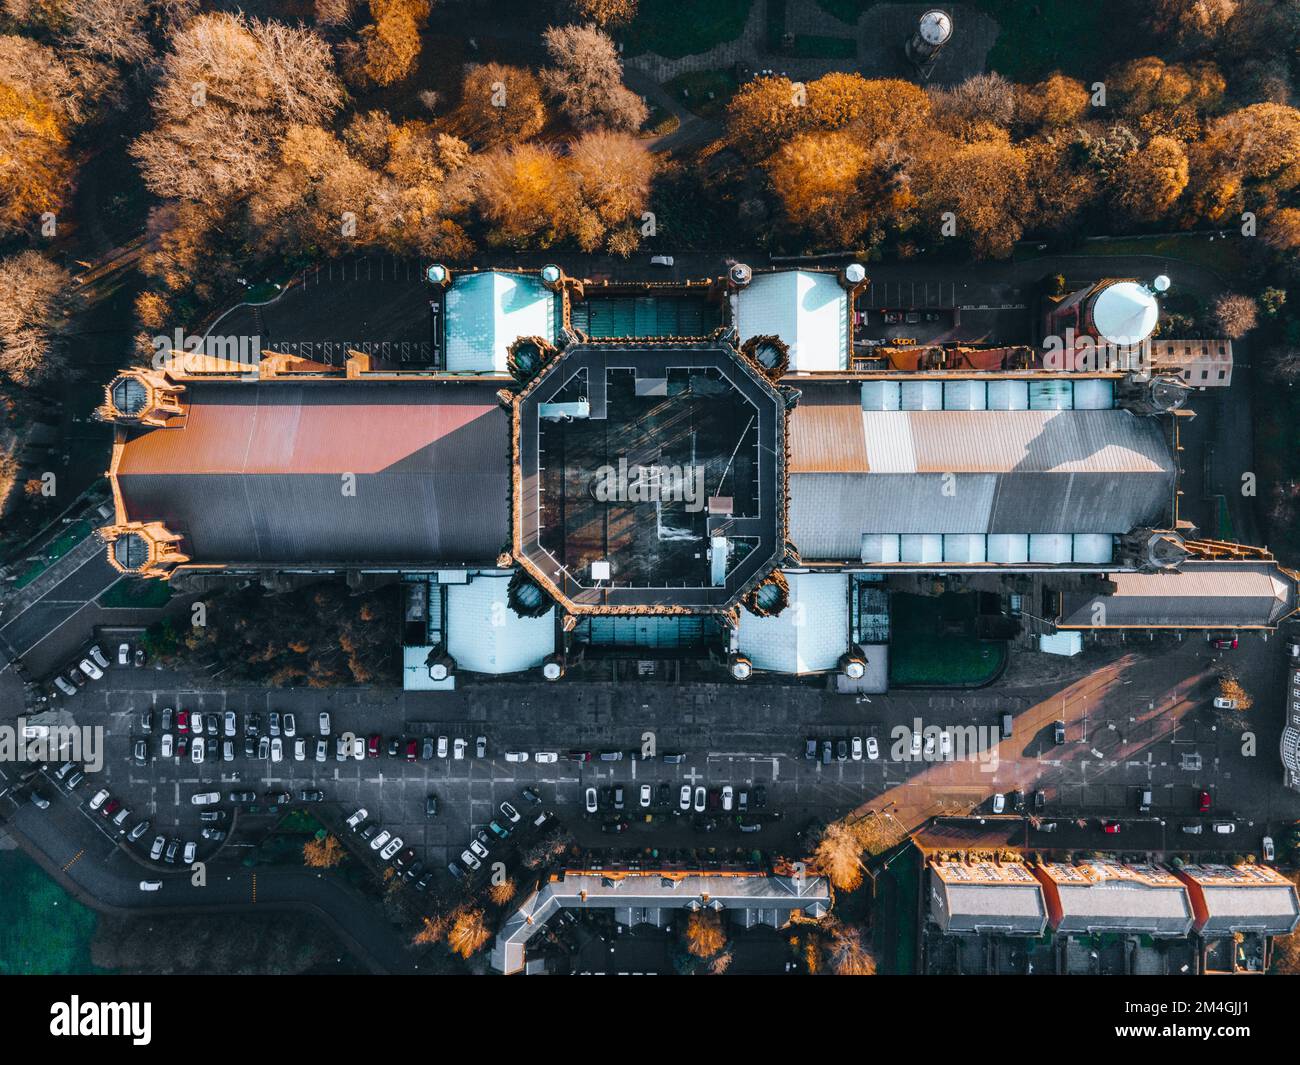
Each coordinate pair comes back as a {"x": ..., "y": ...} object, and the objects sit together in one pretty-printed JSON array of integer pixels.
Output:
[
  {"x": 182, "y": 746},
  {"x": 480, "y": 747},
  {"x": 250, "y": 746},
  {"x": 1224, "y": 643},
  {"x": 172, "y": 848},
  {"x": 146, "y": 722},
  {"x": 277, "y": 750},
  {"x": 646, "y": 794},
  {"x": 873, "y": 748},
  {"x": 300, "y": 749},
  {"x": 1058, "y": 732},
  {"x": 728, "y": 797},
  {"x": 591, "y": 800},
  {"x": 357, "y": 817},
  {"x": 700, "y": 798},
  {"x": 205, "y": 798},
  {"x": 618, "y": 797},
  {"x": 119, "y": 818},
  {"x": 1269, "y": 854},
  {"x": 516, "y": 756},
  {"x": 684, "y": 800},
  {"x": 661, "y": 260},
  {"x": 242, "y": 796},
  {"x": 1144, "y": 801},
  {"x": 394, "y": 747},
  {"x": 342, "y": 749},
  {"x": 1203, "y": 801},
  {"x": 311, "y": 795},
  {"x": 139, "y": 830},
  {"x": 457, "y": 871},
  {"x": 458, "y": 748},
  {"x": 196, "y": 723},
  {"x": 1220, "y": 703},
  {"x": 39, "y": 800},
  {"x": 264, "y": 747},
  {"x": 510, "y": 813},
  {"x": 124, "y": 654},
  {"x": 827, "y": 751},
  {"x": 810, "y": 748},
  {"x": 855, "y": 748},
  {"x": 230, "y": 723},
  {"x": 999, "y": 803},
  {"x": 140, "y": 752},
  {"x": 531, "y": 796},
  {"x": 290, "y": 725},
  {"x": 182, "y": 721},
  {"x": 478, "y": 848},
  {"x": 469, "y": 860},
  {"x": 1193, "y": 830},
  {"x": 62, "y": 683},
  {"x": 411, "y": 750},
  {"x": 212, "y": 817},
  {"x": 324, "y": 723},
  {"x": 90, "y": 669},
  {"x": 97, "y": 656},
  {"x": 359, "y": 749},
  {"x": 431, "y": 805},
  {"x": 426, "y": 748},
  {"x": 321, "y": 750},
  {"x": 155, "y": 851},
  {"x": 197, "y": 750},
  {"x": 546, "y": 757},
  {"x": 211, "y": 726},
  {"x": 1111, "y": 828},
  {"x": 150, "y": 885},
  {"x": 212, "y": 835},
  {"x": 77, "y": 677},
  {"x": 278, "y": 798},
  {"x": 191, "y": 849},
  {"x": 1224, "y": 828}
]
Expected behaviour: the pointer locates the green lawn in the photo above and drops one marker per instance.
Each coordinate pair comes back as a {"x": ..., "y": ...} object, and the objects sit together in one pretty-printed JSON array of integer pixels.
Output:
[
  {"x": 897, "y": 931},
  {"x": 812, "y": 46},
  {"x": 133, "y": 593},
  {"x": 43, "y": 930},
  {"x": 932, "y": 642},
  {"x": 1225, "y": 255},
  {"x": 693, "y": 90},
  {"x": 847, "y": 11},
  {"x": 70, "y": 538},
  {"x": 1041, "y": 36},
  {"x": 676, "y": 28}
]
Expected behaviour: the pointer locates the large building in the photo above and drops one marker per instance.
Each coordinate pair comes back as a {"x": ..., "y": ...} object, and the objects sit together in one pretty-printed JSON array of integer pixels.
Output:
[{"x": 715, "y": 468}]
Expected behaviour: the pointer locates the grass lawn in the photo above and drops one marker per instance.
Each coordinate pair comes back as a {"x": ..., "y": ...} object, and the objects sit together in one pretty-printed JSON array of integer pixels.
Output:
[
  {"x": 71, "y": 537},
  {"x": 932, "y": 642},
  {"x": 693, "y": 91},
  {"x": 676, "y": 28},
  {"x": 897, "y": 931},
  {"x": 44, "y": 931},
  {"x": 1041, "y": 36},
  {"x": 813, "y": 46},
  {"x": 133, "y": 593},
  {"x": 847, "y": 11},
  {"x": 1224, "y": 256}
]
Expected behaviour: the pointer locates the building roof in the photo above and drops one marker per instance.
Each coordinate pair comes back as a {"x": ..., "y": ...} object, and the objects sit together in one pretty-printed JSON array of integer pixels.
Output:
[
  {"x": 487, "y": 312},
  {"x": 807, "y": 309},
  {"x": 1124, "y": 313},
  {"x": 1105, "y": 896},
  {"x": 971, "y": 897},
  {"x": 1202, "y": 594},
  {"x": 485, "y": 635},
  {"x": 743, "y": 895},
  {"x": 971, "y": 472},
  {"x": 1244, "y": 898},
  {"x": 255, "y": 472},
  {"x": 809, "y": 635}
]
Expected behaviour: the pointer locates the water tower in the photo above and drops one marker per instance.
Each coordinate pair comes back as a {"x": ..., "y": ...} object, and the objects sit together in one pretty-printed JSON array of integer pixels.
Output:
[{"x": 933, "y": 31}]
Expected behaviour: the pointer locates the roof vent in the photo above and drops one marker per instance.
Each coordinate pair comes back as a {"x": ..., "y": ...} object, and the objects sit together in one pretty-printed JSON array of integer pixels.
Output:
[
  {"x": 855, "y": 273},
  {"x": 740, "y": 275}
]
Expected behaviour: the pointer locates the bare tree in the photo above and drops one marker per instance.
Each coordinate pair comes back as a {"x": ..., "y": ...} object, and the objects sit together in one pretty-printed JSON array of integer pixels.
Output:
[
  {"x": 1235, "y": 314},
  {"x": 587, "y": 80},
  {"x": 35, "y": 302}
]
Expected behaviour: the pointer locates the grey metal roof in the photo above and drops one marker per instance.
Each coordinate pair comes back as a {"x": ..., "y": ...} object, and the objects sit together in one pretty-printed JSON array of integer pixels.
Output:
[
  {"x": 1084, "y": 471},
  {"x": 1124, "y": 906},
  {"x": 1202, "y": 594},
  {"x": 1013, "y": 908},
  {"x": 1271, "y": 910}
]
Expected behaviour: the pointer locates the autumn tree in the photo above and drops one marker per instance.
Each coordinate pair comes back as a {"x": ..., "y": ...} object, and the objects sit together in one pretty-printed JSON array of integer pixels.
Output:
[
  {"x": 603, "y": 12},
  {"x": 1152, "y": 179},
  {"x": 468, "y": 932},
  {"x": 982, "y": 99},
  {"x": 847, "y": 953},
  {"x": 586, "y": 79},
  {"x": 499, "y": 105},
  {"x": 521, "y": 194},
  {"x": 1235, "y": 314},
  {"x": 763, "y": 113},
  {"x": 1281, "y": 229},
  {"x": 705, "y": 936},
  {"x": 35, "y": 303},
  {"x": 334, "y": 12},
  {"x": 1056, "y": 101},
  {"x": 977, "y": 189},
  {"x": 838, "y": 855},
  {"x": 1247, "y": 156},
  {"x": 324, "y": 852},
  {"x": 1230, "y": 689},
  {"x": 815, "y": 176},
  {"x": 389, "y": 47},
  {"x": 1192, "y": 21},
  {"x": 432, "y": 930},
  {"x": 502, "y": 891},
  {"x": 610, "y": 174},
  {"x": 229, "y": 89}
]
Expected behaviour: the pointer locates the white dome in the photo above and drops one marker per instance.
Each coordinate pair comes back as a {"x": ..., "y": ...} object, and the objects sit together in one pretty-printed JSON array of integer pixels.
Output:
[
  {"x": 936, "y": 27},
  {"x": 1124, "y": 313}
]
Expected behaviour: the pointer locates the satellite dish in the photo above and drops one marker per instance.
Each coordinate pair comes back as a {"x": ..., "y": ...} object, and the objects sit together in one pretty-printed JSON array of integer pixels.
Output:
[{"x": 1161, "y": 283}]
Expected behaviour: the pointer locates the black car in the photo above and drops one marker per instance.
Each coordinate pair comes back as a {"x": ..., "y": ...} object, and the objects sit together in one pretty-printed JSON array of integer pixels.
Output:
[
  {"x": 394, "y": 747},
  {"x": 531, "y": 795},
  {"x": 1058, "y": 732},
  {"x": 1040, "y": 799},
  {"x": 826, "y": 752},
  {"x": 278, "y": 798},
  {"x": 664, "y": 795},
  {"x": 243, "y": 796},
  {"x": 614, "y": 826},
  {"x": 842, "y": 750},
  {"x": 426, "y": 748},
  {"x": 423, "y": 883},
  {"x": 141, "y": 752},
  {"x": 810, "y": 749},
  {"x": 456, "y": 871},
  {"x": 315, "y": 795},
  {"x": 367, "y": 832},
  {"x": 760, "y": 796},
  {"x": 172, "y": 848},
  {"x": 213, "y": 817},
  {"x": 404, "y": 858},
  {"x": 215, "y": 835},
  {"x": 211, "y": 725},
  {"x": 415, "y": 870},
  {"x": 618, "y": 797},
  {"x": 1018, "y": 800},
  {"x": 431, "y": 806},
  {"x": 146, "y": 721},
  {"x": 253, "y": 725},
  {"x": 250, "y": 746}
]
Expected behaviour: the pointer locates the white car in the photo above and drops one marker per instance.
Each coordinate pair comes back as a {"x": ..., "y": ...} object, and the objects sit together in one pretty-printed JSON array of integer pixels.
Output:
[
  {"x": 1220, "y": 703},
  {"x": 196, "y": 723},
  {"x": 321, "y": 749},
  {"x": 205, "y": 798},
  {"x": 999, "y": 803},
  {"x": 661, "y": 260},
  {"x": 101, "y": 797},
  {"x": 166, "y": 749},
  {"x": 685, "y": 801},
  {"x": 699, "y": 800},
  {"x": 929, "y": 747},
  {"x": 511, "y": 814},
  {"x": 124, "y": 654},
  {"x": 290, "y": 726},
  {"x": 945, "y": 745},
  {"x": 393, "y": 847},
  {"x": 916, "y": 745},
  {"x": 277, "y": 750},
  {"x": 300, "y": 749},
  {"x": 545, "y": 757},
  {"x": 591, "y": 799},
  {"x": 727, "y": 796},
  {"x": 155, "y": 852},
  {"x": 458, "y": 749},
  {"x": 150, "y": 885},
  {"x": 873, "y": 748},
  {"x": 191, "y": 849},
  {"x": 357, "y": 818},
  {"x": 470, "y": 861},
  {"x": 855, "y": 748},
  {"x": 97, "y": 656},
  {"x": 230, "y": 723},
  {"x": 62, "y": 683},
  {"x": 90, "y": 669},
  {"x": 442, "y": 746},
  {"x": 476, "y": 846},
  {"x": 380, "y": 839},
  {"x": 516, "y": 756},
  {"x": 1268, "y": 849},
  {"x": 359, "y": 749},
  {"x": 1224, "y": 828},
  {"x": 645, "y": 795},
  {"x": 324, "y": 723},
  {"x": 197, "y": 747}
]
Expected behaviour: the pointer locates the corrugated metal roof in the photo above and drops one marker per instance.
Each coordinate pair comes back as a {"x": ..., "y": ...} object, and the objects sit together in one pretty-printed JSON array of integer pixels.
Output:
[
  {"x": 808, "y": 310},
  {"x": 826, "y": 432},
  {"x": 489, "y": 311},
  {"x": 1200, "y": 594},
  {"x": 255, "y": 474}
]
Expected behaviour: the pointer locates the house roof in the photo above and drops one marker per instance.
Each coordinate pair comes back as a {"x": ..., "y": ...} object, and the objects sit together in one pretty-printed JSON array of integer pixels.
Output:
[
  {"x": 487, "y": 312},
  {"x": 974, "y": 897},
  {"x": 1244, "y": 898},
  {"x": 1109, "y": 897},
  {"x": 485, "y": 635},
  {"x": 1201, "y": 594},
  {"x": 807, "y": 309},
  {"x": 255, "y": 472},
  {"x": 809, "y": 635},
  {"x": 973, "y": 472}
]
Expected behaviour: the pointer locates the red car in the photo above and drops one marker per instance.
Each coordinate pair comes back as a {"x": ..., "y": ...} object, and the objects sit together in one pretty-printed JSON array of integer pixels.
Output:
[
  {"x": 1225, "y": 643},
  {"x": 1203, "y": 801},
  {"x": 182, "y": 746},
  {"x": 372, "y": 746},
  {"x": 183, "y": 721},
  {"x": 410, "y": 750},
  {"x": 1110, "y": 827},
  {"x": 110, "y": 808}
]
